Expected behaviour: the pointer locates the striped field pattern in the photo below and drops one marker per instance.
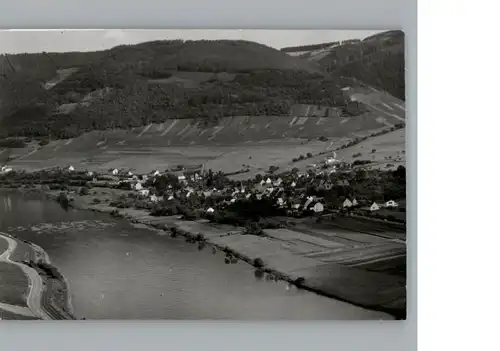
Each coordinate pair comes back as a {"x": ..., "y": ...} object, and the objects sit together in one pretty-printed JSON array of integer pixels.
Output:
[{"x": 167, "y": 143}]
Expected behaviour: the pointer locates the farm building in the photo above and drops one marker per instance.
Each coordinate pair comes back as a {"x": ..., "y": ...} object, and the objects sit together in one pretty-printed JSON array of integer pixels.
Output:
[
  {"x": 144, "y": 192},
  {"x": 347, "y": 203},
  {"x": 374, "y": 207},
  {"x": 391, "y": 203},
  {"x": 6, "y": 169}
]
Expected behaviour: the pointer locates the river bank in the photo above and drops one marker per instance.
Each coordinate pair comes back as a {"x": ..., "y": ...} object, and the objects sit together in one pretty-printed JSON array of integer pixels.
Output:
[
  {"x": 54, "y": 298},
  {"x": 280, "y": 254}
]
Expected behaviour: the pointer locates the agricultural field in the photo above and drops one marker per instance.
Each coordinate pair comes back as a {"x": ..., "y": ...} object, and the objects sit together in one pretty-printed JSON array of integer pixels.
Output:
[
  {"x": 385, "y": 151},
  {"x": 14, "y": 285},
  {"x": 233, "y": 143}
]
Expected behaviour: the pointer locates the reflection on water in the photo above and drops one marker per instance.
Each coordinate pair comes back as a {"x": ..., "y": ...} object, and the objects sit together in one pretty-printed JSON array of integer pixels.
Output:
[{"x": 117, "y": 271}]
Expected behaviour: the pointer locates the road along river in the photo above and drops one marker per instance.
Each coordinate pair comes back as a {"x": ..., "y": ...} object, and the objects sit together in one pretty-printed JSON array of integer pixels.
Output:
[
  {"x": 118, "y": 271},
  {"x": 36, "y": 285}
]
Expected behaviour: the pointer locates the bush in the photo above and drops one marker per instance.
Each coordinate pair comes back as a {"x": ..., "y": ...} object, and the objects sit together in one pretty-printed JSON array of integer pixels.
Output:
[
  {"x": 253, "y": 229},
  {"x": 258, "y": 263},
  {"x": 12, "y": 143},
  {"x": 84, "y": 191},
  {"x": 309, "y": 155}
]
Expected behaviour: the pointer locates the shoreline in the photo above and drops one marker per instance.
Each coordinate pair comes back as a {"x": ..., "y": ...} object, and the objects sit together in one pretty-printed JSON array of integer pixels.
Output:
[
  {"x": 202, "y": 233},
  {"x": 40, "y": 264}
]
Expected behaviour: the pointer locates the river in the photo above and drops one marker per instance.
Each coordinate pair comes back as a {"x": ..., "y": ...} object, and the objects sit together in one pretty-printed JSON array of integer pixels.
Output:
[{"x": 118, "y": 271}]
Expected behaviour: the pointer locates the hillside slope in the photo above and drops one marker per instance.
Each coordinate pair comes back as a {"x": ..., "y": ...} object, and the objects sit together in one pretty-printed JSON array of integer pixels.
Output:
[
  {"x": 258, "y": 141},
  {"x": 131, "y": 86},
  {"x": 377, "y": 60}
]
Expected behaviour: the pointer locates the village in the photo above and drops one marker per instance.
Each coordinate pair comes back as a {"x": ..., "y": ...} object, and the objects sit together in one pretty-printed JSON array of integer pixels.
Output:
[{"x": 330, "y": 188}]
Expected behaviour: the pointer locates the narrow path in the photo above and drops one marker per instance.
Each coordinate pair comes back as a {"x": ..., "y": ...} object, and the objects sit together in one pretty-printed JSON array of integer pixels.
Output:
[{"x": 36, "y": 287}]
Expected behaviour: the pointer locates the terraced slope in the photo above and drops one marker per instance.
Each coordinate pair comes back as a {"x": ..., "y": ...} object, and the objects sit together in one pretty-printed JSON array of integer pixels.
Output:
[{"x": 242, "y": 139}]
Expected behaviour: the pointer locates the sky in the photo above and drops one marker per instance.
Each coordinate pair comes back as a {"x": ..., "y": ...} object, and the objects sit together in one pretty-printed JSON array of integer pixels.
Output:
[{"x": 30, "y": 41}]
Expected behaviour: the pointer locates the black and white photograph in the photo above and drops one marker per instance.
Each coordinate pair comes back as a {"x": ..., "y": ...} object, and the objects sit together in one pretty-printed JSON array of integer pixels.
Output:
[{"x": 203, "y": 175}]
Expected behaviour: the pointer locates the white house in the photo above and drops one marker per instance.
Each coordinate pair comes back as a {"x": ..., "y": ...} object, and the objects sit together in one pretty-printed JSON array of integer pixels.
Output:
[
  {"x": 278, "y": 182},
  {"x": 374, "y": 207},
  {"x": 90, "y": 173},
  {"x": 268, "y": 181},
  {"x": 262, "y": 182},
  {"x": 280, "y": 202},
  {"x": 210, "y": 210},
  {"x": 391, "y": 203},
  {"x": 144, "y": 192},
  {"x": 156, "y": 173},
  {"x": 293, "y": 184},
  {"x": 71, "y": 168},
  {"x": 154, "y": 198},
  {"x": 130, "y": 174},
  {"x": 171, "y": 197},
  {"x": 138, "y": 186},
  {"x": 347, "y": 203},
  {"x": 354, "y": 202},
  {"x": 308, "y": 202},
  {"x": 318, "y": 207},
  {"x": 182, "y": 178},
  {"x": 6, "y": 169},
  {"x": 115, "y": 171}
]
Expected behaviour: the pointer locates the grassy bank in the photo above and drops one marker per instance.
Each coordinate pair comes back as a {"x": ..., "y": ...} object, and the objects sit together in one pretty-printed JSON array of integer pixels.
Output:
[
  {"x": 14, "y": 285},
  {"x": 55, "y": 297}
]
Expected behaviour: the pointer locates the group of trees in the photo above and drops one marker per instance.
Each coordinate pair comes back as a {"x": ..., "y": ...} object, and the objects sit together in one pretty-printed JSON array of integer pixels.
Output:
[
  {"x": 378, "y": 61},
  {"x": 139, "y": 102},
  {"x": 266, "y": 82}
]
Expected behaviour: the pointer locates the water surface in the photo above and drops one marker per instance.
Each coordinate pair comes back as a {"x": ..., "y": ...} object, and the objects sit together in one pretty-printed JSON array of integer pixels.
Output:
[{"x": 117, "y": 271}]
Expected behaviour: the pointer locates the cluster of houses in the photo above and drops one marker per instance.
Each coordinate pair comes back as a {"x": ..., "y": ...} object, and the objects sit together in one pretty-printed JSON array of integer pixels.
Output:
[
  {"x": 374, "y": 207},
  {"x": 286, "y": 191}
]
